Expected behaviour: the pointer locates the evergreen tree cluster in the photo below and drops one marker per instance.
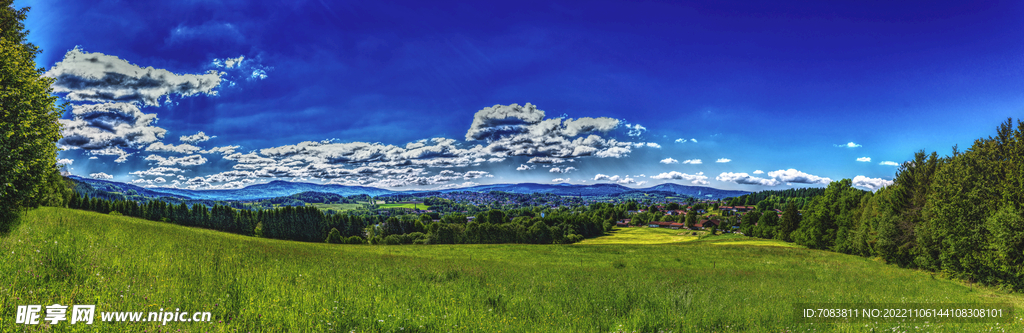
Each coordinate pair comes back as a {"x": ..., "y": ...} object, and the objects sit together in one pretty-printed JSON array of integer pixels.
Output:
[
  {"x": 776, "y": 199},
  {"x": 961, "y": 215},
  {"x": 291, "y": 223}
]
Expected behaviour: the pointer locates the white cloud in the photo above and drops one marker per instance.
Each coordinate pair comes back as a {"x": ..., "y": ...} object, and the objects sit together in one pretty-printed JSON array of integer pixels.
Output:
[
  {"x": 871, "y": 184},
  {"x": 190, "y": 160},
  {"x": 560, "y": 180},
  {"x": 157, "y": 171},
  {"x": 758, "y": 172},
  {"x": 65, "y": 161},
  {"x": 848, "y": 145},
  {"x": 93, "y": 158},
  {"x": 515, "y": 130},
  {"x": 794, "y": 176},
  {"x": 258, "y": 73},
  {"x": 744, "y": 178},
  {"x": 693, "y": 140},
  {"x": 228, "y": 62},
  {"x": 225, "y": 150},
  {"x": 501, "y": 132},
  {"x": 109, "y": 125},
  {"x": 101, "y": 175},
  {"x": 494, "y": 122},
  {"x": 601, "y": 176},
  {"x": 183, "y": 148},
  {"x": 889, "y": 163},
  {"x": 680, "y": 140},
  {"x": 625, "y": 180},
  {"x": 122, "y": 155},
  {"x": 723, "y": 160},
  {"x": 693, "y": 161},
  {"x": 547, "y": 160},
  {"x": 635, "y": 130},
  {"x": 475, "y": 174},
  {"x": 669, "y": 161},
  {"x": 613, "y": 152},
  {"x": 585, "y": 125},
  {"x": 696, "y": 179},
  {"x": 96, "y": 77},
  {"x": 195, "y": 138},
  {"x": 562, "y": 170},
  {"x": 863, "y": 159}
]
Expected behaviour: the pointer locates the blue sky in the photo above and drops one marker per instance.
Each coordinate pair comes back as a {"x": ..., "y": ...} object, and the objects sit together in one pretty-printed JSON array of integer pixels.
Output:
[{"x": 408, "y": 95}]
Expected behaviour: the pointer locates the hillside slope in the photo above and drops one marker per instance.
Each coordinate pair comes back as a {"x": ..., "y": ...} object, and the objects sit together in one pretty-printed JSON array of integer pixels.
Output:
[{"x": 251, "y": 284}]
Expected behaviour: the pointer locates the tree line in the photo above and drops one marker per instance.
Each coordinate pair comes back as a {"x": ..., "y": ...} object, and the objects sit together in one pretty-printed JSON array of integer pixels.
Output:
[
  {"x": 305, "y": 224},
  {"x": 309, "y": 224},
  {"x": 960, "y": 215}
]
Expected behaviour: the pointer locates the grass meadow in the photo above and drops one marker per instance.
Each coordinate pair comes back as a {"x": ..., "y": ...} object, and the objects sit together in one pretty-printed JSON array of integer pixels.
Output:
[
  {"x": 715, "y": 284},
  {"x": 336, "y": 207},
  {"x": 410, "y": 206}
]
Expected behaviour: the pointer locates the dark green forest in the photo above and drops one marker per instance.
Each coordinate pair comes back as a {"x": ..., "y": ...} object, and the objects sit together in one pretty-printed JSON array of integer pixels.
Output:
[{"x": 960, "y": 215}]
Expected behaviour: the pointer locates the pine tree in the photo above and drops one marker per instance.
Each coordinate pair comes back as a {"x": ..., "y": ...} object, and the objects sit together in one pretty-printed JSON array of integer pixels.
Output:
[{"x": 790, "y": 222}]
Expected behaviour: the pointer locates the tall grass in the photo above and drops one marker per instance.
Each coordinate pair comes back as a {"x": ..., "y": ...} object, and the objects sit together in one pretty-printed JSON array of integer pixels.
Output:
[{"x": 250, "y": 284}]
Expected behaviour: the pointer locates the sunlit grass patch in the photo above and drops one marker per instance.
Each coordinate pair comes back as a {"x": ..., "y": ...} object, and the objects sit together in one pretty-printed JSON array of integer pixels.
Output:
[{"x": 643, "y": 235}]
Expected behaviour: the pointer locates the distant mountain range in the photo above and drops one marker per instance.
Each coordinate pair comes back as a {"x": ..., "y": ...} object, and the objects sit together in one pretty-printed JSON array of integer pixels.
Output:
[{"x": 280, "y": 188}]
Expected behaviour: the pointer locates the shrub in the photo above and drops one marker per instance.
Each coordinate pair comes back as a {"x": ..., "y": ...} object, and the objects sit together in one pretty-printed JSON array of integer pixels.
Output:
[
  {"x": 115, "y": 213},
  {"x": 334, "y": 236},
  {"x": 393, "y": 240},
  {"x": 356, "y": 240},
  {"x": 258, "y": 232},
  {"x": 411, "y": 238}
]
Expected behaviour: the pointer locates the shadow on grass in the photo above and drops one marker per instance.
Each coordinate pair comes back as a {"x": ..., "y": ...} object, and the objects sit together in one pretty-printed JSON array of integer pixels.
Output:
[{"x": 9, "y": 220}]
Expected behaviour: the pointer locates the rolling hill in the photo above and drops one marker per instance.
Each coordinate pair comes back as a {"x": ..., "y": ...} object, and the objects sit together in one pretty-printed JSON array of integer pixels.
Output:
[{"x": 280, "y": 188}]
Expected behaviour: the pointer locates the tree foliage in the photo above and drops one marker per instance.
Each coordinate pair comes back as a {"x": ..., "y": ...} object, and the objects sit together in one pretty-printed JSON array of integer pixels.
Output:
[
  {"x": 28, "y": 119},
  {"x": 961, "y": 214}
]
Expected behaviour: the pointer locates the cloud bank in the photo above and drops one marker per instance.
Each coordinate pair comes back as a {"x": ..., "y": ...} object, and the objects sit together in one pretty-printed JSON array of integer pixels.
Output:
[
  {"x": 696, "y": 179},
  {"x": 778, "y": 177},
  {"x": 96, "y": 77}
]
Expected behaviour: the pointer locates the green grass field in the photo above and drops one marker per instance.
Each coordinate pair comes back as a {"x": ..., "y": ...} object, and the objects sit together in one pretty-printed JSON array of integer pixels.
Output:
[
  {"x": 410, "y": 206},
  {"x": 259, "y": 285},
  {"x": 336, "y": 207}
]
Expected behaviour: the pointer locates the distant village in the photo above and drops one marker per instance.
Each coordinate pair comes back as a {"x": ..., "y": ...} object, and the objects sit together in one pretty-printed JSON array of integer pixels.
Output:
[{"x": 725, "y": 218}]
